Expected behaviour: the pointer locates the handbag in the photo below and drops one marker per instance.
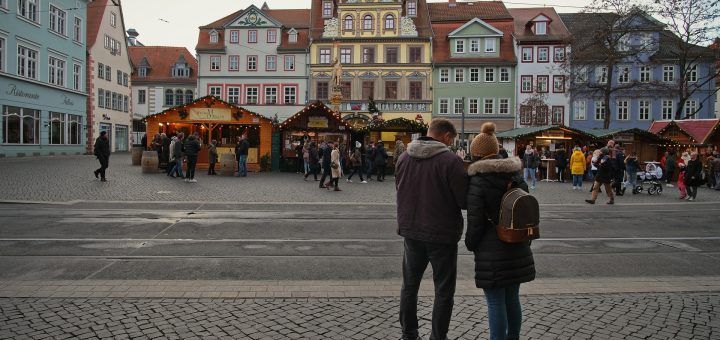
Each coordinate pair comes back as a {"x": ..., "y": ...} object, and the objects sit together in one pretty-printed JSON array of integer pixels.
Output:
[{"x": 334, "y": 165}]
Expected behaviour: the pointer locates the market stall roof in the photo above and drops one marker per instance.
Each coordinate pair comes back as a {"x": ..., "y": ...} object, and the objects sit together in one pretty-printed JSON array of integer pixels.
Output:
[
  {"x": 396, "y": 125},
  {"x": 699, "y": 130},
  {"x": 608, "y": 133},
  {"x": 208, "y": 101},
  {"x": 315, "y": 108},
  {"x": 528, "y": 131}
]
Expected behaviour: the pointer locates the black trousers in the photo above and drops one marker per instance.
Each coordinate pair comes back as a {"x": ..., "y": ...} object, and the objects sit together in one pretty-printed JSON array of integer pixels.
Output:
[
  {"x": 692, "y": 191},
  {"x": 326, "y": 174},
  {"x": 380, "y": 172},
  {"x": 104, "y": 162},
  {"x": 443, "y": 259},
  {"x": 211, "y": 169},
  {"x": 356, "y": 170},
  {"x": 191, "y": 162},
  {"x": 669, "y": 176}
]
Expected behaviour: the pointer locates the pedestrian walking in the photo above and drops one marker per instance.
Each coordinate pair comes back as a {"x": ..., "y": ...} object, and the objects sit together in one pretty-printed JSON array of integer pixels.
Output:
[
  {"x": 212, "y": 157},
  {"x": 604, "y": 176},
  {"x": 313, "y": 161},
  {"x": 356, "y": 163},
  {"x": 619, "y": 171},
  {"x": 192, "y": 148},
  {"x": 326, "y": 155},
  {"x": 380, "y": 160},
  {"x": 593, "y": 166},
  {"x": 632, "y": 165},
  {"x": 172, "y": 161},
  {"x": 101, "y": 150},
  {"x": 299, "y": 163},
  {"x": 561, "y": 161},
  {"x": 670, "y": 166},
  {"x": 370, "y": 161},
  {"x": 177, "y": 155},
  {"x": 708, "y": 172},
  {"x": 693, "y": 176},
  {"x": 577, "y": 168},
  {"x": 335, "y": 168},
  {"x": 431, "y": 191},
  {"x": 241, "y": 152},
  {"x": 682, "y": 188},
  {"x": 500, "y": 267},
  {"x": 531, "y": 160},
  {"x": 165, "y": 150},
  {"x": 306, "y": 158}
]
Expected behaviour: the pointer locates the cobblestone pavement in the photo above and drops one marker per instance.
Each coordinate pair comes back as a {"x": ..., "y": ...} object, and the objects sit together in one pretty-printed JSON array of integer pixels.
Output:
[
  {"x": 623, "y": 316},
  {"x": 70, "y": 178}
]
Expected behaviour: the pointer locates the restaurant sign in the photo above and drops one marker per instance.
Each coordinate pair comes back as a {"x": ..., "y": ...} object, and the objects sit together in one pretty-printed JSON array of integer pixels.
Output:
[
  {"x": 317, "y": 122},
  {"x": 623, "y": 137},
  {"x": 219, "y": 114}
]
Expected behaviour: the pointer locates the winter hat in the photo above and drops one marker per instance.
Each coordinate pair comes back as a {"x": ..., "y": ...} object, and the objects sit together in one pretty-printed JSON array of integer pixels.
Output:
[{"x": 485, "y": 144}]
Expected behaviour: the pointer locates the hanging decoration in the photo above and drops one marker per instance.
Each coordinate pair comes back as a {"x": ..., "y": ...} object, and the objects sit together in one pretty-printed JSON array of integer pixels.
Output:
[{"x": 402, "y": 124}]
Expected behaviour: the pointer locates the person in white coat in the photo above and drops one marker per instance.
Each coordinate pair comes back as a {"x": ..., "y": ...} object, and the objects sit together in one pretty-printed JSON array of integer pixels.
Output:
[{"x": 335, "y": 168}]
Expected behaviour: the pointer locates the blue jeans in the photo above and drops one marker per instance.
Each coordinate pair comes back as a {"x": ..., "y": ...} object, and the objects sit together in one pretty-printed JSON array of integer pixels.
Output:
[
  {"x": 307, "y": 167},
  {"x": 242, "y": 165},
  {"x": 530, "y": 172},
  {"x": 631, "y": 179},
  {"x": 577, "y": 181},
  {"x": 177, "y": 168},
  {"x": 504, "y": 312}
]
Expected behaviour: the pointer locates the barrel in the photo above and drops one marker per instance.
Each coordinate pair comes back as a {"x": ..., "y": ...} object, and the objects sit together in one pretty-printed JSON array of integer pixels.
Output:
[
  {"x": 149, "y": 162},
  {"x": 137, "y": 152},
  {"x": 227, "y": 164}
]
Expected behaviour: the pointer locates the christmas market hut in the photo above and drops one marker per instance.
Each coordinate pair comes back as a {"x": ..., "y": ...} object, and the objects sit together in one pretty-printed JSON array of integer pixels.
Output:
[
  {"x": 551, "y": 137},
  {"x": 696, "y": 134},
  {"x": 215, "y": 119},
  {"x": 390, "y": 130},
  {"x": 648, "y": 146},
  {"x": 314, "y": 123}
]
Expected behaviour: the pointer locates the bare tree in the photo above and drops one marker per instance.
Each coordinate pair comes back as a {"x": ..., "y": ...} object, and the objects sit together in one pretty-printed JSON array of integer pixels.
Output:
[{"x": 691, "y": 24}]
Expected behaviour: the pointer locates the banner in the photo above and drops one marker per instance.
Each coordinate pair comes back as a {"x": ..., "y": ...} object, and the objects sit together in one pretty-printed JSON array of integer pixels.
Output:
[{"x": 215, "y": 114}]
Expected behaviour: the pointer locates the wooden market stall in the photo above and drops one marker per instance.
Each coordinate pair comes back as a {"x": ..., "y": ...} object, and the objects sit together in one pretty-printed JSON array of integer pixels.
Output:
[
  {"x": 215, "y": 119},
  {"x": 649, "y": 146},
  {"x": 700, "y": 135},
  {"x": 389, "y": 130}
]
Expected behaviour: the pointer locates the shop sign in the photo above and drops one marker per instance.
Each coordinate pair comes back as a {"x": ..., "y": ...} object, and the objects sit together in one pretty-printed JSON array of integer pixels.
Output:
[
  {"x": 67, "y": 100},
  {"x": 623, "y": 137},
  {"x": 559, "y": 134},
  {"x": 220, "y": 114},
  {"x": 13, "y": 90},
  {"x": 317, "y": 122}
]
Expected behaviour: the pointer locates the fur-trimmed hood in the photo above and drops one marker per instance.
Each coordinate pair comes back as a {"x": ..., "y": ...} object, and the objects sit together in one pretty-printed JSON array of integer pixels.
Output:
[
  {"x": 425, "y": 148},
  {"x": 495, "y": 165}
]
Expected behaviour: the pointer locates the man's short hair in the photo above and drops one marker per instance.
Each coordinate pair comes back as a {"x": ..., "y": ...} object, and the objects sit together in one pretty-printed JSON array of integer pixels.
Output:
[{"x": 442, "y": 126}]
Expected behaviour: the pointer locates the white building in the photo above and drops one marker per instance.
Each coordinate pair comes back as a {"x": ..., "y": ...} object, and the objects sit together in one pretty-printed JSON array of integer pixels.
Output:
[
  {"x": 541, "y": 41},
  {"x": 256, "y": 58}
]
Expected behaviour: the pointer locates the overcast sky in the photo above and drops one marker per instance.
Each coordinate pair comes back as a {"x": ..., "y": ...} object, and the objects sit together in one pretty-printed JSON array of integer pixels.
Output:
[{"x": 176, "y": 22}]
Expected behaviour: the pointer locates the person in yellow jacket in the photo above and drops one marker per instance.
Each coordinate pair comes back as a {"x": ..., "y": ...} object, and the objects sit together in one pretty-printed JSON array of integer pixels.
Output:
[{"x": 577, "y": 167}]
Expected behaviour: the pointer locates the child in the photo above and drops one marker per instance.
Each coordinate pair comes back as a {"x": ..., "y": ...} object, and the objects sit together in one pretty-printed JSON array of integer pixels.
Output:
[{"x": 681, "y": 181}]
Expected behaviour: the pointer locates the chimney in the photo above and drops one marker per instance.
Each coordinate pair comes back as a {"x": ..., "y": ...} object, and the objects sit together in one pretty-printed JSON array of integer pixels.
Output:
[
  {"x": 452, "y": 3},
  {"x": 132, "y": 36}
]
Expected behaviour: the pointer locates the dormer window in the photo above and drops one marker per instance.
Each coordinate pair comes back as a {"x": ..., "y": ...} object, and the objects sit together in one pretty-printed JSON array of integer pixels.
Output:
[
  {"x": 142, "y": 72},
  {"x": 213, "y": 37},
  {"x": 540, "y": 28},
  {"x": 292, "y": 36},
  {"x": 411, "y": 8},
  {"x": 181, "y": 72}
]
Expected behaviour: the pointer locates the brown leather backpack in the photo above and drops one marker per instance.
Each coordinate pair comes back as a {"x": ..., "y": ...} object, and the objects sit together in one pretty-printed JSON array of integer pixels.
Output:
[{"x": 519, "y": 217}]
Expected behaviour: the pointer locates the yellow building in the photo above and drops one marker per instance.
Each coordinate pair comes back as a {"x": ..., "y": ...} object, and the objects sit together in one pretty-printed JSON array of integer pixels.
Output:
[{"x": 384, "y": 50}]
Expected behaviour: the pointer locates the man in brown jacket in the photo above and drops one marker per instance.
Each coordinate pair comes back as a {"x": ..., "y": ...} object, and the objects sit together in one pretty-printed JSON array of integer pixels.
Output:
[{"x": 431, "y": 185}]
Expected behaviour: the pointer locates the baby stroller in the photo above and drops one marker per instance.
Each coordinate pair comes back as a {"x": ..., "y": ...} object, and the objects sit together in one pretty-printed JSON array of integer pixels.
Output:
[{"x": 650, "y": 179}]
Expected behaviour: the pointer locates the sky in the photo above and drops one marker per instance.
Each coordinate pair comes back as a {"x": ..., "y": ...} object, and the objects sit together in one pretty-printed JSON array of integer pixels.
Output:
[{"x": 176, "y": 22}]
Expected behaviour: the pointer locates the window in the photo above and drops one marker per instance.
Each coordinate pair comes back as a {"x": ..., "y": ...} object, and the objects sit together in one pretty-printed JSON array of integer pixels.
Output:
[
  {"x": 101, "y": 98},
  {"x": 526, "y": 83},
  {"x": 644, "y": 109},
  {"x": 119, "y": 77},
  {"x": 292, "y": 37},
  {"x": 57, "y": 20},
  {"x": 233, "y": 95},
  {"x": 489, "y": 74},
  {"x": 504, "y": 75},
  {"x": 289, "y": 62},
  {"x": 415, "y": 54},
  {"x": 645, "y": 74},
  {"x": 126, "y": 103},
  {"x": 368, "y": 22},
  {"x": 179, "y": 97},
  {"x": 622, "y": 110},
  {"x": 322, "y": 90},
  {"x": 390, "y": 89},
  {"x": 189, "y": 96},
  {"x": 504, "y": 106},
  {"x": 489, "y": 45},
  {"x": 558, "y": 114},
  {"x": 115, "y": 100},
  {"x": 327, "y": 9},
  {"x": 526, "y": 117},
  {"x": 599, "y": 110},
  {"x": 368, "y": 89},
  {"x": 74, "y": 133},
  {"x": 540, "y": 28},
  {"x": 416, "y": 90},
  {"x": 558, "y": 84},
  {"x": 271, "y": 95},
  {"x": 579, "y": 110},
  {"x": 459, "y": 75},
  {"x": 623, "y": 74},
  {"x": 77, "y": 77},
  {"x": 489, "y": 106},
  {"x": 389, "y": 22},
  {"x": 252, "y": 63},
  {"x": 444, "y": 75},
  {"x": 213, "y": 37},
  {"x": 108, "y": 100},
  {"x": 601, "y": 74},
  {"x": 113, "y": 19},
  {"x": 692, "y": 74},
  {"x": 141, "y": 96},
  {"x": 272, "y": 36},
  {"x": 142, "y": 72},
  {"x": 20, "y": 125},
  {"x": 233, "y": 62},
  {"x": 2, "y": 54},
  {"x": 215, "y": 91},
  {"x": 56, "y": 71},
  {"x": 368, "y": 55},
  {"x": 169, "y": 97},
  {"x": 271, "y": 63},
  {"x": 459, "y": 46},
  {"x": 543, "y": 54},
  {"x": 559, "y": 55},
  {"x": 346, "y": 89},
  {"x": 411, "y": 8},
  {"x": 542, "y": 84},
  {"x": 3, "y": 4},
  {"x": 444, "y": 107},
  {"x": 474, "y": 74},
  {"x": 527, "y": 54},
  {"x": 458, "y": 106},
  {"x": 349, "y": 23},
  {"x": 668, "y": 73},
  {"x": 391, "y": 55},
  {"x": 581, "y": 76},
  {"x": 108, "y": 73},
  {"x": 346, "y": 55},
  {"x": 215, "y": 63},
  {"x": 290, "y": 95},
  {"x": 57, "y": 128},
  {"x": 690, "y": 107},
  {"x": 27, "y": 62},
  {"x": 473, "y": 106},
  {"x": 474, "y": 45},
  {"x": 252, "y": 36},
  {"x": 234, "y": 36},
  {"x": 251, "y": 95},
  {"x": 325, "y": 56},
  {"x": 541, "y": 115},
  {"x": 668, "y": 106},
  {"x": 28, "y": 9}
]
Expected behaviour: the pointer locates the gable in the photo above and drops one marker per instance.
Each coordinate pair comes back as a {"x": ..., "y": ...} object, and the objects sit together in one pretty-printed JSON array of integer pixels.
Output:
[
  {"x": 639, "y": 21},
  {"x": 476, "y": 28},
  {"x": 253, "y": 17},
  {"x": 541, "y": 17}
]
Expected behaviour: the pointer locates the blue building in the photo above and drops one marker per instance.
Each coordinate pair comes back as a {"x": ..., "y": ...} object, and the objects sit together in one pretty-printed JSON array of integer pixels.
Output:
[
  {"x": 645, "y": 81},
  {"x": 42, "y": 77}
]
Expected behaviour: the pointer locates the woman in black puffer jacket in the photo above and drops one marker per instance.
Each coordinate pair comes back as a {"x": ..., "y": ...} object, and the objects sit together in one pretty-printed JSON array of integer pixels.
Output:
[
  {"x": 500, "y": 267},
  {"x": 693, "y": 176}
]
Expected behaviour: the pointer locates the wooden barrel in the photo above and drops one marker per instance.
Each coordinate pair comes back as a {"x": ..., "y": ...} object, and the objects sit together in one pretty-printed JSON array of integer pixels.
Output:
[
  {"x": 150, "y": 162},
  {"x": 137, "y": 152},
  {"x": 227, "y": 164}
]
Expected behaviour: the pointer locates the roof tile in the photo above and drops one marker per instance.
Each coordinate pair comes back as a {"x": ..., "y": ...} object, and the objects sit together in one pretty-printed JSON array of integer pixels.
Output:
[{"x": 161, "y": 60}]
